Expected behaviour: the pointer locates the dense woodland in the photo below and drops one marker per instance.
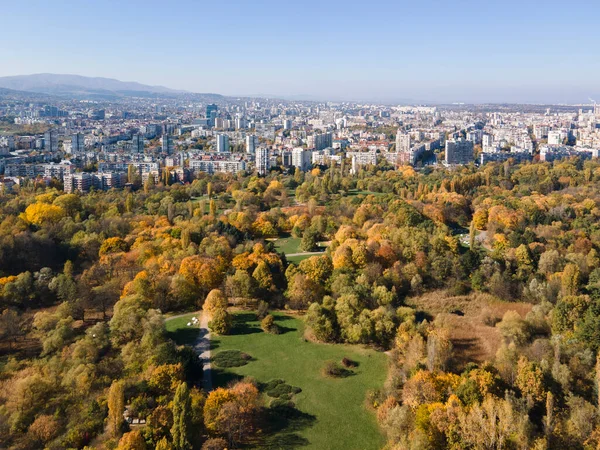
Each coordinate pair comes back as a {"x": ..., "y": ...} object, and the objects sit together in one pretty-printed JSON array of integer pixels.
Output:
[{"x": 86, "y": 279}]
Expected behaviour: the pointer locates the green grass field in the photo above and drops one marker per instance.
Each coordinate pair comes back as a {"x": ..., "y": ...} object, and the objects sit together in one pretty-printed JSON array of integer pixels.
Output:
[
  {"x": 332, "y": 412},
  {"x": 298, "y": 258},
  {"x": 288, "y": 245},
  {"x": 178, "y": 330}
]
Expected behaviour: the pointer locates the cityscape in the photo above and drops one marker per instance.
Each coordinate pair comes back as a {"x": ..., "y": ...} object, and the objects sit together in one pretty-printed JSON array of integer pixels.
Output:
[
  {"x": 317, "y": 225},
  {"x": 135, "y": 141}
]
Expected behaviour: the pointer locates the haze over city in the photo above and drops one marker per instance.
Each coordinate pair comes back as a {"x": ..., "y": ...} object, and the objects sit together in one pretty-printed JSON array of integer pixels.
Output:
[{"x": 389, "y": 52}]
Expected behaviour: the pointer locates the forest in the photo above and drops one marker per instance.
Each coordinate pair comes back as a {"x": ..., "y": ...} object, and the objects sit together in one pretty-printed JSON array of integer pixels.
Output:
[{"x": 480, "y": 284}]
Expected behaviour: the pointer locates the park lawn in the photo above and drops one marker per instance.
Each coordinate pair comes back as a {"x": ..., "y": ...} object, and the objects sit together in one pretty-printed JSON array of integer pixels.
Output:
[
  {"x": 333, "y": 411},
  {"x": 178, "y": 330},
  {"x": 288, "y": 245},
  {"x": 298, "y": 258}
]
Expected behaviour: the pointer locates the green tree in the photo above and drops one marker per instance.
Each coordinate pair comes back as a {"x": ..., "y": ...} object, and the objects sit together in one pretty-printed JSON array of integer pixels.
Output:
[
  {"x": 180, "y": 431},
  {"x": 221, "y": 322},
  {"x": 116, "y": 407}
]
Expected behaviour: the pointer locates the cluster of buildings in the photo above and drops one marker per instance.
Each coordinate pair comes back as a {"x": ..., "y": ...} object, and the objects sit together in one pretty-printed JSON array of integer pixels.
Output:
[{"x": 91, "y": 145}]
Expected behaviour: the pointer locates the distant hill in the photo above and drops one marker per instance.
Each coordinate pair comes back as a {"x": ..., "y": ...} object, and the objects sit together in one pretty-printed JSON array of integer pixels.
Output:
[{"x": 77, "y": 85}]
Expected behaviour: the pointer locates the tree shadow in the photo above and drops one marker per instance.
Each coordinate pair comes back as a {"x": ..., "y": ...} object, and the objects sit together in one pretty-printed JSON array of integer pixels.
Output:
[
  {"x": 281, "y": 425},
  {"x": 184, "y": 336},
  {"x": 223, "y": 377},
  {"x": 241, "y": 324}
]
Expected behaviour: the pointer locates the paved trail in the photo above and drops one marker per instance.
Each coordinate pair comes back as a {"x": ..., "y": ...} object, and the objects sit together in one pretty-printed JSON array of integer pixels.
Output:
[
  {"x": 304, "y": 253},
  {"x": 202, "y": 347}
]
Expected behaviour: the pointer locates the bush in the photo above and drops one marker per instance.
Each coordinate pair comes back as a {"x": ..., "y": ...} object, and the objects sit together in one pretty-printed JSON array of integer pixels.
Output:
[
  {"x": 334, "y": 370},
  {"x": 221, "y": 322},
  {"x": 280, "y": 389},
  {"x": 231, "y": 358},
  {"x": 268, "y": 325},
  {"x": 348, "y": 363},
  {"x": 262, "y": 310},
  {"x": 215, "y": 444}
]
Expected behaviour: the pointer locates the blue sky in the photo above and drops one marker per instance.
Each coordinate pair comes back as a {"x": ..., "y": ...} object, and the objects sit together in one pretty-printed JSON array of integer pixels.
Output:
[{"x": 444, "y": 51}]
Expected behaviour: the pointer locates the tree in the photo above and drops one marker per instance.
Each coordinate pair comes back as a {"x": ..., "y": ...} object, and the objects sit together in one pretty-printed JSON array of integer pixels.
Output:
[
  {"x": 514, "y": 328},
  {"x": 322, "y": 321},
  {"x": 116, "y": 407},
  {"x": 570, "y": 279},
  {"x": 181, "y": 418},
  {"x": 45, "y": 428},
  {"x": 10, "y": 326},
  {"x": 215, "y": 300},
  {"x": 41, "y": 213},
  {"x": 132, "y": 441},
  {"x": 221, "y": 322}
]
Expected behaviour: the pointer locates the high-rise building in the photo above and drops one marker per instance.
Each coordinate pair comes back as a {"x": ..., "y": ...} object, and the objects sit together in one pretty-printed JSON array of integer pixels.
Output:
[
  {"x": 287, "y": 124},
  {"x": 402, "y": 142},
  {"x": 301, "y": 158},
  {"x": 210, "y": 109},
  {"x": 459, "y": 151},
  {"x": 320, "y": 141},
  {"x": 262, "y": 160},
  {"x": 51, "y": 141},
  {"x": 77, "y": 144},
  {"x": 11, "y": 143},
  {"x": 211, "y": 114},
  {"x": 222, "y": 143},
  {"x": 166, "y": 143},
  {"x": 137, "y": 143},
  {"x": 251, "y": 143},
  {"x": 240, "y": 123}
]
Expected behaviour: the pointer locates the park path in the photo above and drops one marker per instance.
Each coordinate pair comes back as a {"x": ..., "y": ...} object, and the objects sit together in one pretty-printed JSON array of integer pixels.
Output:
[
  {"x": 304, "y": 253},
  {"x": 202, "y": 347}
]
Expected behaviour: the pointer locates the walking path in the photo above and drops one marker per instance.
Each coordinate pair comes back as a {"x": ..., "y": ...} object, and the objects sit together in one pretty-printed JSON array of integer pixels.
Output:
[
  {"x": 305, "y": 253},
  {"x": 202, "y": 347}
]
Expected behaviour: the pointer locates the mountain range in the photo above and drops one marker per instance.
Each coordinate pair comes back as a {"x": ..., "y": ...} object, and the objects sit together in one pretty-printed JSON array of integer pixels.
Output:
[{"x": 81, "y": 86}]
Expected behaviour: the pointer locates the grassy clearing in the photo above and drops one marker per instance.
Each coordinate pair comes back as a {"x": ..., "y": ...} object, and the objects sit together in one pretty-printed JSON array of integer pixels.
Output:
[
  {"x": 298, "y": 258},
  {"x": 331, "y": 412},
  {"x": 288, "y": 245},
  {"x": 179, "y": 331}
]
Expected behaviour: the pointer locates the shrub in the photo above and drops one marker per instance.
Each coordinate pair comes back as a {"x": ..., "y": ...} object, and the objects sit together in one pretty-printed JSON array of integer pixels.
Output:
[
  {"x": 348, "y": 363},
  {"x": 215, "y": 444},
  {"x": 333, "y": 369},
  {"x": 231, "y": 358},
  {"x": 268, "y": 325},
  {"x": 262, "y": 310},
  {"x": 280, "y": 389}
]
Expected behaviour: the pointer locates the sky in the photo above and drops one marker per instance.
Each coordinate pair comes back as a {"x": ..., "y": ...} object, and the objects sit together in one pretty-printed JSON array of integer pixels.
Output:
[{"x": 386, "y": 51}]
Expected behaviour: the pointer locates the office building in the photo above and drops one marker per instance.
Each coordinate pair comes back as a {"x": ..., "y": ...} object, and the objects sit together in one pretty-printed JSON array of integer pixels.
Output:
[
  {"x": 51, "y": 141},
  {"x": 222, "y": 143},
  {"x": 166, "y": 143},
  {"x": 137, "y": 143},
  {"x": 77, "y": 144},
  {"x": 251, "y": 143}
]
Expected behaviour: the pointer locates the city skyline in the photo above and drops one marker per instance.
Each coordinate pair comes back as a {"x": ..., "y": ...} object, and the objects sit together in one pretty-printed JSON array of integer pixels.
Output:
[{"x": 399, "y": 52}]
